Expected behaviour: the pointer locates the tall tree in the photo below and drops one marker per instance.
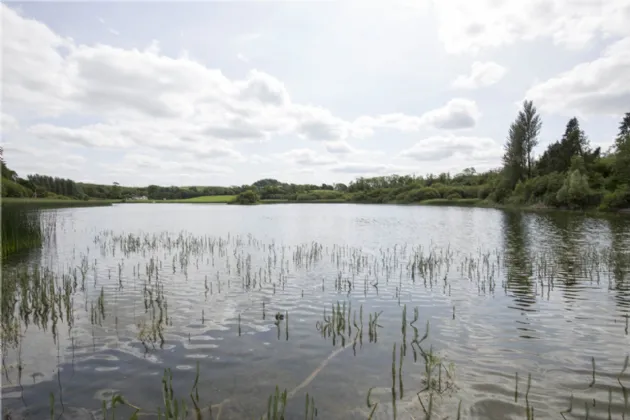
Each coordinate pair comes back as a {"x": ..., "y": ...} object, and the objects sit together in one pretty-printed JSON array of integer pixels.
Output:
[
  {"x": 624, "y": 126},
  {"x": 522, "y": 138},
  {"x": 624, "y": 129},
  {"x": 531, "y": 123},
  {"x": 557, "y": 157},
  {"x": 515, "y": 157}
]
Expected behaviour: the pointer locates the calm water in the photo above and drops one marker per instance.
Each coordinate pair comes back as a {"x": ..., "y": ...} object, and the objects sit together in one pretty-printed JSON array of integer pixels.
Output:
[{"x": 502, "y": 292}]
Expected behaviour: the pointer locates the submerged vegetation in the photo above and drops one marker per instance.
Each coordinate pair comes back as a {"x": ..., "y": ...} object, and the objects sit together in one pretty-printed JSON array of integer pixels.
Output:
[
  {"x": 148, "y": 271},
  {"x": 569, "y": 174}
]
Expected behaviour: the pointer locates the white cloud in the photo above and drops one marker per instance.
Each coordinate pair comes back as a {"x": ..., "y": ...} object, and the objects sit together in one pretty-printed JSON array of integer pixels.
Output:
[
  {"x": 362, "y": 168},
  {"x": 8, "y": 122},
  {"x": 466, "y": 26},
  {"x": 306, "y": 157},
  {"x": 339, "y": 147},
  {"x": 113, "y": 31},
  {"x": 437, "y": 148},
  {"x": 456, "y": 114},
  {"x": 601, "y": 86},
  {"x": 482, "y": 74},
  {"x": 98, "y": 135},
  {"x": 250, "y": 36},
  {"x": 41, "y": 160},
  {"x": 143, "y": 165},
  {"x": 183, "y": 115},
  {"x": 142, "y": 95}
]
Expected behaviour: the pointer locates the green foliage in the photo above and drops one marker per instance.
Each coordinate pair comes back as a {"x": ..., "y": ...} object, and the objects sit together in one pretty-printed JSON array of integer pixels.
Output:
[
  {"x": 320, "y": 195},
  {"x": 247, "y": 197},
  {"x": 618, "y": 199},
  {"x": 522, "y": 138},
  {"x": 575, "y": 191},
  {"x": 621, "y": 171},
  {"x": 11, "y": 188},
  {"x": 419, "y": 194}
]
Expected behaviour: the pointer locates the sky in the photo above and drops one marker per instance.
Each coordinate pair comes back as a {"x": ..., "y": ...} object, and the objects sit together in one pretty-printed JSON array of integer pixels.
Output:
[{"x": 229, "y": 92}]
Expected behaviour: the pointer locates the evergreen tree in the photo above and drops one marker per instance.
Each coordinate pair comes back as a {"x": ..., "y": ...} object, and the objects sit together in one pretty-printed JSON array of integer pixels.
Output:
[
  {"x": 557, "y": 157},
  {"x": 624, "y": 130}
]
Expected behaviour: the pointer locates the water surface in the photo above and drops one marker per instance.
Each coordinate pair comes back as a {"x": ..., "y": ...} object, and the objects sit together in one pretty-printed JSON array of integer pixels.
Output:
[{"x": 155, "y": 286}]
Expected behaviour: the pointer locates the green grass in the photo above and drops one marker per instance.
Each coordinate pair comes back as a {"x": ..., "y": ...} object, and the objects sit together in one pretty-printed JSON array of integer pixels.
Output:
[{"x": 206, "y": 199}]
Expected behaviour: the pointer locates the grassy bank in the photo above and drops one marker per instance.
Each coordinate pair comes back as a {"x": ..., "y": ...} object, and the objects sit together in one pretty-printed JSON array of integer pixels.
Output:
[
  {"x": 55, "y": 202},
  {"x": 206, "y": 199}
]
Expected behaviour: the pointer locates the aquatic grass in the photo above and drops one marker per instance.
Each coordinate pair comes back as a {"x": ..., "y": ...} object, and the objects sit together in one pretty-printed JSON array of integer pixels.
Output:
[
  {"x": 21, "y": 229},
  {"x": 276, "y": 405},
  {"x": 47, "y": 298}
]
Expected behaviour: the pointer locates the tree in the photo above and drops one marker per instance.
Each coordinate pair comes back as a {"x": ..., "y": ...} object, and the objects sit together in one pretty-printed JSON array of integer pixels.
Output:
[
  {"x": 522, "y": 138},
  {"x": 624, "y": 126},
  {"x": 557, "y": 157},
  {"x": 531, "y": 124},
  {"x": 622, "y": 160},
  {"x": 514, "y": 159},
  {"x": 6, "y": 172},
  {"x": 247, "y": 197},
  {"x": 115, "y": 192},
  {"x": 341, "y": 187}
]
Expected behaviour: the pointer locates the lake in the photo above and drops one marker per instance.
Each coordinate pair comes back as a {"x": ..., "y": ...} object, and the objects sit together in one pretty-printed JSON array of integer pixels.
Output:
[{"x": 382, "y": 310}]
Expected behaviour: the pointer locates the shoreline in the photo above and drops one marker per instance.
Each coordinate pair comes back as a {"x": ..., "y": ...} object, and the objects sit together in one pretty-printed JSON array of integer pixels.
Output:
[{"x": 463, "y": 202}]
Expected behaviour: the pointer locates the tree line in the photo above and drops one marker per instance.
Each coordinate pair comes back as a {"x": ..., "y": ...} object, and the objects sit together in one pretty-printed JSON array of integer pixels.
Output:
[{"x": 568, "y": 174}]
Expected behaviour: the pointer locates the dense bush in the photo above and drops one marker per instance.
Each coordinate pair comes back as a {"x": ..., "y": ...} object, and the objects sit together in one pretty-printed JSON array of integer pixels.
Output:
[
  {"x": 420, "y": 194},
  {"x": 618, "y": 199},
  {"x": 247, "y": 197},
  {"x": 13, "y": 189},
  {"x": 575, "y": 192}
]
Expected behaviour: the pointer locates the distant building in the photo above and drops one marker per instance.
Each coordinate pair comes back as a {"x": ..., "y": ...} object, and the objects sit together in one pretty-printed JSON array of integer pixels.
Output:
[{"x": 139, "y": 197}]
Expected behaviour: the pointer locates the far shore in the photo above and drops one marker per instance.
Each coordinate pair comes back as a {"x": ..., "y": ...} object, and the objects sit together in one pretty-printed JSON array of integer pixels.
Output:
[{"x": 228, "y": 199}]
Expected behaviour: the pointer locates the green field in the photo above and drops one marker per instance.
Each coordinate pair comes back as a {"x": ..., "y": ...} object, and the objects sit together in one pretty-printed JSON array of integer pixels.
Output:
[{"x": 204, "y": 199}]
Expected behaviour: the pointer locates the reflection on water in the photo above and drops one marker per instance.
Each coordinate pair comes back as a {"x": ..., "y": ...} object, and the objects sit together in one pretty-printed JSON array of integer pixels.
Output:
[{"x": 487, "y": 313}]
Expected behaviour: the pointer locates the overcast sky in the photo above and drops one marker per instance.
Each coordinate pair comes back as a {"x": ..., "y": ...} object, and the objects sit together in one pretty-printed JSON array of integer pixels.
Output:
[{"x": 223, "y": 93}]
